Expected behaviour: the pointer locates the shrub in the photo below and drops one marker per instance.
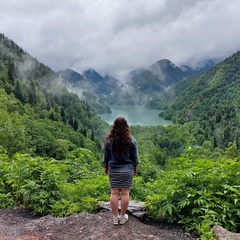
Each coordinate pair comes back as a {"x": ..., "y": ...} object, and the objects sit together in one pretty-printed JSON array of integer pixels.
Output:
[
  {"x": 198, "y": 194},
  {"x": 34, "y": 182},
  {"x": 83, "y": 196}
]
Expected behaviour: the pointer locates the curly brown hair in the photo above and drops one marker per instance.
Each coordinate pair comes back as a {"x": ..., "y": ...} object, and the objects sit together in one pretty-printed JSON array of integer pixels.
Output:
[{"x": 121, "y": 136}]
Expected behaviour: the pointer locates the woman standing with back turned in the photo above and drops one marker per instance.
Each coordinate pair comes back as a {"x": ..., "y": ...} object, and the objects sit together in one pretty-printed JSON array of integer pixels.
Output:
[{"x": 120, "y": 162}]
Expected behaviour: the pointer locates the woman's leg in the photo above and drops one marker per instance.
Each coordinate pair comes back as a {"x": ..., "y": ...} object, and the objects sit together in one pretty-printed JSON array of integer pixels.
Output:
[
  {"x": 114, "y": 201},
  {"x": 124, "y": 200}
]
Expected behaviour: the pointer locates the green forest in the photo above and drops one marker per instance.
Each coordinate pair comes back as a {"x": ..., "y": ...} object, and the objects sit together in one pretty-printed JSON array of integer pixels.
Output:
[{"x": 51, "y": 147}]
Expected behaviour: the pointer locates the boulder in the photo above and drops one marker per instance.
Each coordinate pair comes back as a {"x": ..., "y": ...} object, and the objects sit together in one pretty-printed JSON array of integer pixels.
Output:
[
  {"x": 137, "y": 209},
  {"x": 222, "y": 234}
]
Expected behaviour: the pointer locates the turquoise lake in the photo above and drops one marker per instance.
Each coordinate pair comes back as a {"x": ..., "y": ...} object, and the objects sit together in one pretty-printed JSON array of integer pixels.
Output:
[{"x": 135, "y": 115}]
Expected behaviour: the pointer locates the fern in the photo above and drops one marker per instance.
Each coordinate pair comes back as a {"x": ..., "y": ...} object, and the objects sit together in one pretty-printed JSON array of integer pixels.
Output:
[{"x": 198, "y": 195}]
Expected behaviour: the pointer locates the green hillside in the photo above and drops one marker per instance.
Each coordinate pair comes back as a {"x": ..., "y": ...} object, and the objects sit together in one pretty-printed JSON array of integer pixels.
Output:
[
  {"x": 213, "y": 102},
  {"x": 38, "y": 115}
]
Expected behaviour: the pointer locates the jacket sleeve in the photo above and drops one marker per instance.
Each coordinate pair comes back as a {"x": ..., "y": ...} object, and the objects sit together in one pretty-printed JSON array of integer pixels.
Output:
[
  {"x": 134, "y": 152},
  {"x": 106, "y": 155}
]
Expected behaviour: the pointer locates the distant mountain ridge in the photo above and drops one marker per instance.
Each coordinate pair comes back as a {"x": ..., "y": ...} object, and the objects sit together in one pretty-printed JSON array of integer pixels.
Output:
[
  {"x": 90, "y": 86},
  {"x": 149, "y": 85},
  {"x": 93, "y": 76},
  {"x": 204, "y": 67},
  {"x": 73, "y": 77},
  {"x": 166, "y": 71},
  {"x": 141, "y": 86}
]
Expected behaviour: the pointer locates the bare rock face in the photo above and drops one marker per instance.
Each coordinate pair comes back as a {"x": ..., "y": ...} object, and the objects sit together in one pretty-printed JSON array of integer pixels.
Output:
[
  {"x": 222, "y": 234},
  {"x": 137, "y": 209}
]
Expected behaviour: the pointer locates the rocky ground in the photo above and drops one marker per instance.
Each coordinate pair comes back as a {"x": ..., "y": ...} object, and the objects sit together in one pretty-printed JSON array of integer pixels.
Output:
[{"x": 17, "y": 224}]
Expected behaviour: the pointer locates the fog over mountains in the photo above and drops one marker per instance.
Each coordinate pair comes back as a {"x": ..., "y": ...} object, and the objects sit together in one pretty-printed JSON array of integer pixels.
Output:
[{"x": 140, "y": 86}]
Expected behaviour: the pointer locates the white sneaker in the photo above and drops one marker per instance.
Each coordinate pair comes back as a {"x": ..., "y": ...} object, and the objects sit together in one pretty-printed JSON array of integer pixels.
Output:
[
  {"x": 123, "y": 219},
  {"x": 115, "y": 220}
]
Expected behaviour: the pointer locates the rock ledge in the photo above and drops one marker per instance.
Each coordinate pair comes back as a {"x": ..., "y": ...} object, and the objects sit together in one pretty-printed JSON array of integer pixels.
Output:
[
  {"x": 137, "y": 209},
  {"x": 222, "y": 234}
]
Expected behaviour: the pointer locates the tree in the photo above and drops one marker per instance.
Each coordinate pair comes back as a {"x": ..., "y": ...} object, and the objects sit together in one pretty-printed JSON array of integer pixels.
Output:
[
  {"x": 21, "y": 93},
  {"x": 32, "y": 93},
  {"x": 10, "y": 65},
  {"x": 232, "y": 151},
  {"x": 63, "y": 116},
  {"x": 70, "y": 121},
  {"x": 75, "y": 125},
  {"x": 18, "y": 91},
  {"x": 92, "y": 135},
  {"x": 13, "y": 135}
]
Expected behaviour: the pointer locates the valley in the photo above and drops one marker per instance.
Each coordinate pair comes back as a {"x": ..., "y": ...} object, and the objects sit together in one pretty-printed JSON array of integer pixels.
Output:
[{"x": 51, "y": 139}]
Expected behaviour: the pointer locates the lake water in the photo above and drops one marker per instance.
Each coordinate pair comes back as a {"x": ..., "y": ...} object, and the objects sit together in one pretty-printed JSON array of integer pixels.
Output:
[{"x": 135, "y": 115}]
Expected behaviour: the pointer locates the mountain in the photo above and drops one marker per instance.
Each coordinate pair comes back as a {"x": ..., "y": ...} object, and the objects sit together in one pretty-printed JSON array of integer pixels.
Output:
[
  {"x": 102, "y": 85},
  {"x": 74, "y": 78},
  {"x": 204, "y": 67},
  {"x": 75, "y": 82},
  {"x": 90, "y": 87},
  {"x": 93, "y": 76},
  {"x": 212, "y": 100},
  {"x": 156, "y": 77},
  {"x": 166, "y": 71},
  {"x": 189, "y": 75},
  {"x": 43, "y": 118},
  {"x": 110, "y": 85},
  {"x": 150, "y": 86},
  {"x": 90, "y": 81}
]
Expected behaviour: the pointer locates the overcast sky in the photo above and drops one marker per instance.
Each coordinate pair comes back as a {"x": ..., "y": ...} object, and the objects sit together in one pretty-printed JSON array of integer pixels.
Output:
[{"x": 116, "y": 36}]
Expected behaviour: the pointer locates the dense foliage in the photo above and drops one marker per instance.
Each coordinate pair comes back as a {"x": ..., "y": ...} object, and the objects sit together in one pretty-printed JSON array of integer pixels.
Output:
[
  {"x": 198, "y": 194},
  {"x": 213, "y": 101},
  {"x": 51, "y": 148},
  {"x": 38, "y": 115}
]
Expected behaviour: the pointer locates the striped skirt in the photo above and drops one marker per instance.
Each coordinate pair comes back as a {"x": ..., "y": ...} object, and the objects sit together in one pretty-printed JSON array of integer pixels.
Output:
[{"x": 121, "y": 177}]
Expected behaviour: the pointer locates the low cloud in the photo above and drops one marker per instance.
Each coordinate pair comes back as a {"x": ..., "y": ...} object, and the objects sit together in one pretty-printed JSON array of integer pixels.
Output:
[{"x": 116, "y": 37}]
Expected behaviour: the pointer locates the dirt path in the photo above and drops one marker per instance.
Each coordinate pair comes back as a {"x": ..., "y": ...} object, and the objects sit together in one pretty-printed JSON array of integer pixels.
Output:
[{"x": 21, "y": 225}]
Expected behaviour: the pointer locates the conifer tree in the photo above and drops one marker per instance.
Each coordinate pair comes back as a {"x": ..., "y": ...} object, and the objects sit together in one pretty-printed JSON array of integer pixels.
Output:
[{"x": 75, "y": 125}]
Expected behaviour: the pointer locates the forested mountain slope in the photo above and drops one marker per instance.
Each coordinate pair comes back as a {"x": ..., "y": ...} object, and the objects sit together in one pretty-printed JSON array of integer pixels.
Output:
[
  {"x": 147, "y": 85},
  {"x": 38, "y": 114},
  {"x": 213, "y": 100}
]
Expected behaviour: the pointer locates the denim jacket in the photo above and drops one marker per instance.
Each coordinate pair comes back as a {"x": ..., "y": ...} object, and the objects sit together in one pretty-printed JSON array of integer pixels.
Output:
[{"x": 110, "y": 160}]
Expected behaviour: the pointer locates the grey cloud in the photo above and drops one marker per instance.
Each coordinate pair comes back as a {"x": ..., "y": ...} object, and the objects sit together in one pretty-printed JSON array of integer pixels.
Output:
[{"x": 119, "y": 36}]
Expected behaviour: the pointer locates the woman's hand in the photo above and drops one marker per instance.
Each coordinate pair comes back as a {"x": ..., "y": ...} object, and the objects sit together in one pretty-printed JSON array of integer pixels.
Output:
[
  {"x": 106, "y": 170},
  {"x": 135, "y": 171}
]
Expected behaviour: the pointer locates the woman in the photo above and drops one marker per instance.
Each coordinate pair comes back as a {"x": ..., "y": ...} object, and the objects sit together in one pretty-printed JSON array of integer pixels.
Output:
[{"x": 120, "y": 162}]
